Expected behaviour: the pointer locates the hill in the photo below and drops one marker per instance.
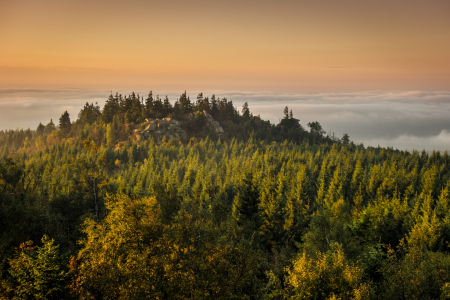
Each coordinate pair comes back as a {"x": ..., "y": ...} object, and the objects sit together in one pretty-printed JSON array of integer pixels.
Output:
[{"x": 113, "y": 206}]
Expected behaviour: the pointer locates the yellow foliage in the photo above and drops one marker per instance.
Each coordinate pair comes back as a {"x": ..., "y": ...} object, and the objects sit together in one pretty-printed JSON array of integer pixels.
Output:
[
  {"x": 326, "y": 276},
  {"x": 120, "y": 255}
]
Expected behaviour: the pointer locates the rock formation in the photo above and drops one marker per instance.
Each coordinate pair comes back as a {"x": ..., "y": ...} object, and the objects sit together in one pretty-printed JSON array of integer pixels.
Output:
[
  {"x": 158, "y": 129},
  {"x": 214, "y": 125},
  {"x": 171, "y": 128}
]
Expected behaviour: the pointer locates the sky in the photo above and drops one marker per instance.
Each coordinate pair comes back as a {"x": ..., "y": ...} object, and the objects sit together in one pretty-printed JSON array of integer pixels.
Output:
[
  {"x": 377, "y": 61},
  {"x": 289, "y": 45}
]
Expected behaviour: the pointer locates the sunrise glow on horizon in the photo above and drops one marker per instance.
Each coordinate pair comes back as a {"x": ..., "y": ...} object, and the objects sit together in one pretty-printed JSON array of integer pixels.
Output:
[{"x": 295, "y": 46}]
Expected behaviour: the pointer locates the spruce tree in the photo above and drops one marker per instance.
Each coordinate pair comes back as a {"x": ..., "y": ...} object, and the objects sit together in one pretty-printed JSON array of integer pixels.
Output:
[
  {"x": 185, "y": 104},
  {"x": 40, "y": 129},
  {"x": 111, "y": 109},
  {"x": 345, "y": 139},
  {"x": 158, "y": 108},
  {"x": 214, "y": 107},
  {"x": 38, "y": 272},
  {"x": 248, "y": 199},
  {"x": 286, "y": 113},
  {"x": 49, "y": 127},
  {"x": 167, "y": 107},
  {"x": 110, "y": 135},
  {"x": 149, "y": 103},
  {"x": 245, "y": 111},
  {"x": 64, "y": 123}
]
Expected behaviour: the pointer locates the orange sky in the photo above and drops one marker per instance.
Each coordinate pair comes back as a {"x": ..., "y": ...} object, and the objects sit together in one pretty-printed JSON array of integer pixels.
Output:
[{"x": 295, "y": 46}]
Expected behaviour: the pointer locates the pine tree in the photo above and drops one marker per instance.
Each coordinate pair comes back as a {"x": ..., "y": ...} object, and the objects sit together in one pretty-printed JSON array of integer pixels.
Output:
[
  {"x": 357, "y": 177},
  {"x": 167, "y": 107},
  {"x": 50, "y": 127},
  {"x": 158, "y": 108},
  {"x": 89, "y": 114},
  {"x": 40, "y": 129},
  {"x": 38, "y": 272},
  {"x": 205, "y": 105},
  {"x": 286, "y": 113},
  {"x": 185, "y": 104},
  {"x": 245, "y": 111},
  {"x": 64, "y": 123},
  {"x": 149, "y": 103},
  {"x": 345, "y": 139},
  {"x": 110, "y": 136},
  {"x": 247, "y": 200},
  {"x": 214, "y": 107},
  {"x": 111, "y": 109},
  {"x": 443, "y": 203}
]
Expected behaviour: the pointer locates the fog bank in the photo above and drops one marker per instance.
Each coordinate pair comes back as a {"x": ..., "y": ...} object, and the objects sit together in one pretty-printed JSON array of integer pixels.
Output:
[{"x": 404, "y": 120}]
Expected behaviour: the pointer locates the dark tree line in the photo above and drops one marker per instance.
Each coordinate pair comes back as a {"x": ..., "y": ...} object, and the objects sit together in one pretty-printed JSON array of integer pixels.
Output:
[{"x": 115, "y": 122}]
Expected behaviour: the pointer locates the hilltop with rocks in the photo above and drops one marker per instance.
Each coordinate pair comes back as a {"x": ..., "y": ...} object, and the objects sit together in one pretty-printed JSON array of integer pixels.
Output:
[
  {"x": 160, "y": 128},
  {"x": 169, "y": 128},
  {"x": 213, "y": 125}
]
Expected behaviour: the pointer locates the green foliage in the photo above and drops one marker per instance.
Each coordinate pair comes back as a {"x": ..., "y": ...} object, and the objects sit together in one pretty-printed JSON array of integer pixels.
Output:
[
  {"x": 89, "y": 114},
  {"x": 245, "y": 111},
  {"x": 246, "y": 203},
  {"x": 345, "y": 139},
  {"x": 111, "y": 108},
  {"x": 40, "y": 129},
  {"x": 49, "y": 128},
  {"x": 64, "y": 123},
  {"x": 416, "y": 274},
  {"x": 316, "y": 131},
  {"x": 199, "y": 119},
  {"x": 91, "y": 179},
  {"x": 119, "y": 258},
  {"x": 140, "y": 258},
  {"x": 37, "y": 272},
  {"x": 110, "y": 136},
  {"x": 263, "y": 212}
]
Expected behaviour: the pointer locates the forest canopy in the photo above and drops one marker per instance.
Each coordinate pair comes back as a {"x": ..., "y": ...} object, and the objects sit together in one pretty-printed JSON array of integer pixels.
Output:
[{"x": 266, "y": 211}]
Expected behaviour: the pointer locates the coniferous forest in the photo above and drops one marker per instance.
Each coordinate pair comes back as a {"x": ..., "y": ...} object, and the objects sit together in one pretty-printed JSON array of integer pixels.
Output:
[{"x": 263, "y": 211}]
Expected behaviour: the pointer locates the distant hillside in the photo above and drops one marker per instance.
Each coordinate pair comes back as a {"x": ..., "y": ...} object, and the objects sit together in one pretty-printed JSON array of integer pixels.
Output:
[{"x": 122, "y": 116}]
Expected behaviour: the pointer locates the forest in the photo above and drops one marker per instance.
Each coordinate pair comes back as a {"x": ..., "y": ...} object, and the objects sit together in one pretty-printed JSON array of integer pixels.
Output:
[{"x": 267, "y": 211}]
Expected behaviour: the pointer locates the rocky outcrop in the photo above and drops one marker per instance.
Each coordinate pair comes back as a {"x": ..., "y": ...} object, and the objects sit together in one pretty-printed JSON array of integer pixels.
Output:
[
  {"x": 213, "y": 125},
  {"x": 160, "y": 128},
  {"x": 171, "y": 128}
]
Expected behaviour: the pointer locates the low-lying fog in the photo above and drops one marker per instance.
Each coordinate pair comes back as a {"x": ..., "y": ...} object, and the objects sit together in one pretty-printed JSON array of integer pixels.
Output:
[{"x": 403, "y": 120}]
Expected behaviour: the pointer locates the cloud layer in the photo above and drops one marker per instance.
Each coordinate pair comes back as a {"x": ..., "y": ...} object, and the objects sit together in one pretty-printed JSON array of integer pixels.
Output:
[{"x": 403, "y": 120}]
